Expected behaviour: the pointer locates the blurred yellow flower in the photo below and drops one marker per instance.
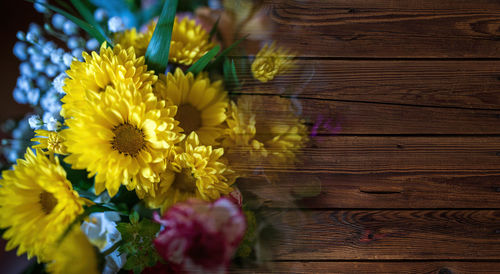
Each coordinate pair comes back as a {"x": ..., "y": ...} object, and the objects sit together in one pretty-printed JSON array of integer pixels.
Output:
[
  {"x": 74, "y": 255},
  {"x": 49, "y": 141},
  {"x": 122, "y": 138},
  {"x": 88, "y": 79},
  {"x": 189, "y": 42},
  {"x": 37, "y": 203},
  {"x": 271, "y": 61},
  {"x": 193, "y": 171},
  {"x": 261, "y": 136},
  {"x": 138, "y": 40},
  {"x": 201, "y": 103}
]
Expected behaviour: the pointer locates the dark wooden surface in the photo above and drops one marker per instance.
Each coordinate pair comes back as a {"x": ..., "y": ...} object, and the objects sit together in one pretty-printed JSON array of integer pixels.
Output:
[
  {"x": 411, "y": 175},
  {"x": 389, "y": 29}
]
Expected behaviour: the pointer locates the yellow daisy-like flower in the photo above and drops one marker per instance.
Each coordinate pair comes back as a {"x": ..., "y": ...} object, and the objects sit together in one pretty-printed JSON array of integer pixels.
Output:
[
  {"x": 123, "y": 138},
  {"x": 193, "y": 170},
  {"x": 49, "y": 141},
  {"x": 263, "y": 136},
  {"x": 74, "y": 255},
  {"x": 98, "y": 71},
  {"x": 138, "y": 40},
  {"x": 201, "y": 104},
  {"x": 271, "y": 61},
  {"x": 37, "y": 203},
  {"x": 189, "y": 41}
]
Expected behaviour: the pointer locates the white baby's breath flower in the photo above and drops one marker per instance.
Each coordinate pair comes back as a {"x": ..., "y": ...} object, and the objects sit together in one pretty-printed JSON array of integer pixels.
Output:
[
  {"x": 115, "y": 24},
  {"x": 35, "y": 121},
  {"x": 58, "y": 83},
  {"x": 51, "y": 122}
]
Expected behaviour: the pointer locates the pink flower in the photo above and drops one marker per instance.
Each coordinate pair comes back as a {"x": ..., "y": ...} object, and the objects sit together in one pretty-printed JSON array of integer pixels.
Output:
[{"x": 200, "y": 236}]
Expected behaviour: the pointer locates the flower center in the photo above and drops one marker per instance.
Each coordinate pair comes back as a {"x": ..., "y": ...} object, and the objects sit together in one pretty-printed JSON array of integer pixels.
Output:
[
  {"x": 103, "y": 89},
  {"x": 47, "y": 201},
  {"x": 128, "y": 139},
  {"x": 185, "y": 181},
  {"x": 189, "y": 118},
  {"x": 55, "y": 143}
]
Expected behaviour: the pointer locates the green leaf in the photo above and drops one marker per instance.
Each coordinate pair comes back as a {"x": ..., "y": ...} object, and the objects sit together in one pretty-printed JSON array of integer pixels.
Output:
[
  {"x": 65, "y": 5},
  {"x": 85, "y": 193},
  {"x": 134, "y": 217},
  {"x": 246, "y": 246},
  {"x": 199, "y": 65},
  {"x": 227, "y": 50},
  {"x": 92, "y": 31},
  {"x": 88, "y": 16},
  {"x": 137, "y": 239},
  {"x": 214, "y": 29},
  {"x": 230, "y": 76},
  {"x": 159, "y": 46}
]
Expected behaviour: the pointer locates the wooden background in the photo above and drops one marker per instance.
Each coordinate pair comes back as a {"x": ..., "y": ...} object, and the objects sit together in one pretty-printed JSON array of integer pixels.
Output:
[{"x": 411, "y": 181}]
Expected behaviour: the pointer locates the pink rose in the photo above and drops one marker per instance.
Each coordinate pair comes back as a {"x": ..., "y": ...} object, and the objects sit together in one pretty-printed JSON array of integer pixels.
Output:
[{"x": 200, "y": 236}]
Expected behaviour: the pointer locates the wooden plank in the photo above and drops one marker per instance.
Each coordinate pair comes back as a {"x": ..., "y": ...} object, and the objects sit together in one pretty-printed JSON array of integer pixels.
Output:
[
  {"x": 385, "y": 172},
  {"x": 375, "y": 190},
  {"x": 333, "y": 117},
  {"x": 387, "y": 234},
  {"x": 374, "y": 155},
  {"x": 464, "y": 84},
  {"x": 388, "y": 29},
  {"x": 441, "y": 267}
]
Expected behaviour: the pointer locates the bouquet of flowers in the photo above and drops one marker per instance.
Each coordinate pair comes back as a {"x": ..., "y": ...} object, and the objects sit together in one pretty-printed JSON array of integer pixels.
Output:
[{"x": 136, "y": 155}]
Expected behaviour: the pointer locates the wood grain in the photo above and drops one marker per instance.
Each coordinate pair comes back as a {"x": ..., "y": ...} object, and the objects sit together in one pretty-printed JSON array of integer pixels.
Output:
[
  {"x": 361, "y": 118},
  {"x": 374, "y": 155},
  {"x": 442, "y": 267},
  {"x": 462, "y": 84},
  {"x": 387, "y": 234},
  {"x": 388, "y": 29},
  {"x": 376, "y": 190},
  {"x": 402, "y": 98}
]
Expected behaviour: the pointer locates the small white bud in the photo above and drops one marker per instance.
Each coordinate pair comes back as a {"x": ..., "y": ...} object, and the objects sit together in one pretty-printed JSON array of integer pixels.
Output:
[
  {"x": 115, "y": 24},
  {"x": 51, "y": 123},
  {"x": 58, "y": 83},
  {"x": 35, "y": 121}
]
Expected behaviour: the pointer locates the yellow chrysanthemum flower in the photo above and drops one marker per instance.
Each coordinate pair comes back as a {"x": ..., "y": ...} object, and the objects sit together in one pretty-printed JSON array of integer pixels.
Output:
[
  {"x": 262, "y": 136},
  {"x": 49, "y": 141},
  {"x": 271, "y": 61},
  {"x": 74, "y": 255},
  {"x": 138, "y": 40},
  {"x": 98, "y": 71},
  {"x": 201, "y": 104},
  {"x": 37, "y": 203},
  {"x": 193, "y": 170},
  {"x": 121, "y": 138},
  {"x": 189, "y": 41}
]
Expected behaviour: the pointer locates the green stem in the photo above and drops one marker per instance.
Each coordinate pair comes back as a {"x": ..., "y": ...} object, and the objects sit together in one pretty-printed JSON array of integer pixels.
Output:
[{"x": 112, "y": 248}]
